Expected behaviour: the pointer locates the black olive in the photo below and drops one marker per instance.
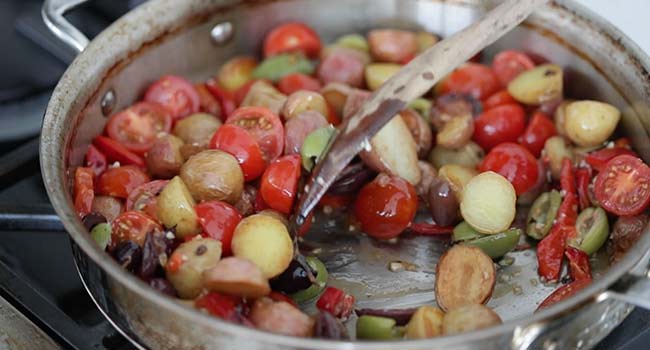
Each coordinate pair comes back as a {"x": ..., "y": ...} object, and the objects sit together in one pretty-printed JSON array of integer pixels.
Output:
[
  {"x": 129, "y": 255},
  {"x": 93, "y": 219},
  {"x": 329, "y": 327},
  {"x": 293, "y": 279},
  {"x": 156, "y": 246},
  {"x": 164, "y": 286},
  {"x": 351, "y": 179},
  {"x": 442, "y": 202}
]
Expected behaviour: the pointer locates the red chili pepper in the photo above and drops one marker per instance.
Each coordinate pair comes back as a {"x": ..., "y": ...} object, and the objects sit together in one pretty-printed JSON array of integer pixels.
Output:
[
  {"x": 567, "y": 178},
  {"x": 564, "y": 292},
  {"x": 223, "y": 306},
  {"x": 336, "y": 302},
  {"x": 225, "y": 98},
  {"x": 549, "y": 253},
  {"x": 83, "y": 191},
  {"x": 96, "y": 160},
  {"x": 426, "y": 229},
  {"x": 115, "y": 152},
  {"x": 599, "y": 158},
  {"x": 579, "y": 268},
  {"x": 583, "y": 178}
]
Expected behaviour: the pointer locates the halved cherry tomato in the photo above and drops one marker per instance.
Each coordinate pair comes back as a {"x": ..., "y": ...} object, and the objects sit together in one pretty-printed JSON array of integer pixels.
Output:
[
  {"x": 176, "y": 94},
  {"x": 83, "y": 190},
  {"x": 623, "y": 186},
  {"x": 280, "y": 182},
  {"x": 225, "y": 98},
  {"x": 218, "y": 220},
  {"x": 115, "y": 152},
  {"x": 136, "y": 127},
  {"x": 598, "y": 159},
  {"x": 474, "y": 79},
  {"x": 539, "y": 129},
  {"x": 291, "y": 37},
  {"x": 564, "y": 292},
  {"x": 239, "y": 142},
  {"x": 515, "y": 163},
  {"x": 207, "y": 102},
  {"x": 265, "y": 127},
  {"x": 336, "y": 302},
  {"x": 500, "y": 124},
  {"x": 145, "y": 197},
  {"x": 497, "y": 99},
  {"x": 121, "y": 181},
  {"x": 298, "y": 81},
  {"x": 95, "y": 160},
  {"x": 133, "y": 226},
  {"x": 386, "y": 206},
  {"x": 508, "y": 64}
]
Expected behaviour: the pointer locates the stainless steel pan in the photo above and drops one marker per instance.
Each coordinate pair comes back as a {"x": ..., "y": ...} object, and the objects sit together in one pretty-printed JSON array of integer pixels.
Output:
[{"x": 193, "y": 37}]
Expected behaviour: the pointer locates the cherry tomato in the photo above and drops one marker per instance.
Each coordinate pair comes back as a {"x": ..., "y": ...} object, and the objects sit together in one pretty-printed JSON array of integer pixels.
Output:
[
  {"x": 176, "y": 94},
  {"x": 115, "y": 152},
  {"x": 280, "y": 182},
  {"x": 540, "y": 128},
  {"x": 515, "y": 163},
  {"x": 207, "y": 102},
  {"x": 508, "y": 64},
  {"x": 95, "y": 160},
  {"x": 598, "y": 159},
  {"x": 386, "y": 206},
  {"x": 83, "y": 190},
  {"x": 137, "y": 126},
  {"x": 473, "y": 79},
  {"x": 133, "y": 226},
  {"x": 223, "y": 306},
  {"x": 259, "y": 204},
  {"x": 497, "y": 99},
  {"x": 224, "y": 97},
  {"x": 145, "y": 197},
  {"x": 623, "y": 186},
  {"x": 336, "y": 302},
  {"x": 239, "y": 142},
  {"x": 121, "y": 181},
  {"x": 291, "y": 37},
  {"x": 500, "y": 124},
  {"x": 265, "y": 127},
  {"x": 218, "y": 220},
  {"x": 298, "y": 81},
  {"x": 335, "y": 201}
]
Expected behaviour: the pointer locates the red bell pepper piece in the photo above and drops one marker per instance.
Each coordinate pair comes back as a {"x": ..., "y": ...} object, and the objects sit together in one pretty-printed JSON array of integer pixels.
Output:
[
  {"x": 223, "y": 306},
  {"x": 579, "y": 268},
  {"x": 225, "y": 98},
  {"x": 583, "y": 178},
  {"x": 115, "y": 152},
  {"x": 84, "y": 192},
  {"x": 336, "y": 302},
  {"x": 96, "y": 160},
  {"x": 564, "y": 292},
  {"x": 426, "y": 229}
]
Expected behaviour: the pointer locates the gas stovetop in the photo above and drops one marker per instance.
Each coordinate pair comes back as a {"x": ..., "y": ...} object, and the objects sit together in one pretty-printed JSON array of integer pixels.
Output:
[{"x": 43, "y": 304}]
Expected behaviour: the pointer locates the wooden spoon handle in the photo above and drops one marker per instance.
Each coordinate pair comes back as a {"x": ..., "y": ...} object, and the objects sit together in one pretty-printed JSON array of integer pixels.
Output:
[{"x": 412, "y": 81}]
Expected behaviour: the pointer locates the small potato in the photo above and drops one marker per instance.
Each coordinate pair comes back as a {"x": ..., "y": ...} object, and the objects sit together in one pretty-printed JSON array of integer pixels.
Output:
[
  {"x": 197, "y": 129},
  {"x": 213, "y": 174},
  {"x": 426, "y": 322},
  {"x": 281, "y": 318},
  {"x": 303, "y": 100},
  {"x": 451, "y": 105},
  {"x": 336, "y": 94},
  {"x": 176, "y": 209},
  {"x": 164, "y": 159},
  {"x": 425, "y": 40},
  {"x": 377, "y": 73},
  {"x": 469, "y": 318},
  {"x": 556, "y": 149},
  {"x": 420, "y": 131},
  {"x": 392, "y": 45},
  {"x": 236, "y": 276},
  {"x": 277, "y": 215},
  {"x": 263, "y": 94},
  {"x": 429, "y": 174},
  {"x": 457, "y": 132},
  {"x": 469, "y": 155},
  {"x": 590, "y": 123},
  {"x": 458, "y": 176},
  {"x": 488, "y": 203},
  {"x": 538, "y": 85},
  {"x": 464, "y": 276},
  {"x": 560, "y": 116},
  {"x": 236, "y": 72},
  {"x": 342, "y": 65},
  {"x": 108, "y": 206},
  {"x": 186, "y": 265},
  {"x": 265, "y": 241},
  {"x": 356, "y": 98}
]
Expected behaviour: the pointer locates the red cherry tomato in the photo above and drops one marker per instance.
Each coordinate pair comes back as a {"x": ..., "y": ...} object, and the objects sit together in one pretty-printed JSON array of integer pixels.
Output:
[
  {"x": 218, "y": 220},
  {"x": 224, "y": 97},
  {"x": 298, "y": 81},
  {"x": 335, "y": 201},
  {"x": 500, "y": 124},
  {"x": 133, "y": 226},
  {"x": 137, "y": 126},
  {"x": 121, "y": 181},
  {"x": 95, "y": 160},
  {"x": 598, "y": 159},
  {"x": 291, "y": 37},
  {"x": 386, "y": 206},
  {"x": 207, "y": 102},
  {"x": 239, "y": 142},
  {"x": 83, "y": 190},
  {"x": 497, "y": 99},
  {"x": 473, "y": 79},
  {"x": 225, "y": 307},
  {"x": 515, "y": 163},
  {"x": 145, "y": 197},
  {"x": 623, "y": 186},
  {"x": 279, "y": 183},
  {"x": 336, "y": 302},
  {"x": 115, "y": 152},
  {"x": 265, "y": 127},
  {"x": 540, "y": 128},
  {"x": 508, "y": 64},
  {"x": 176, "y": 94}
]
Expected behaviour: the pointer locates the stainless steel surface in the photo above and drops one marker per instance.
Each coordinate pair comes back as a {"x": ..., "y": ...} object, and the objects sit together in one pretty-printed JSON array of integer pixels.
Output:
[
  {"x": 19, "y": 333},
  {"x": 53, "y": 11},
  {"x": 600, "y": 61}
]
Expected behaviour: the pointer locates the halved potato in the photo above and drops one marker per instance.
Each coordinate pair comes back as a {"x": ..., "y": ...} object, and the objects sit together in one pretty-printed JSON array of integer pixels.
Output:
[{"x": 176, "y": 209}]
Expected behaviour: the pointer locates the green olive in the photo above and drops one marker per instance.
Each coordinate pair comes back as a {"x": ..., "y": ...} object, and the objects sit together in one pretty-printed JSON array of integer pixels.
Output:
[
  {"x": 101, "y": 233},
  {"x": 353, "y": 41},
  {"x": 276, "y": 67},
  {"x": 496, "y": 245},
  {"x": 314, "y": 145},
  {"x": 376, "y": 328},
  {"x": 464, "y": 232},
  {"x": 423, "y": 107},
  {"x": 542, "y": 214},
  {"x": 315, "y": 289},
  {"x": 593, "y": 230}
]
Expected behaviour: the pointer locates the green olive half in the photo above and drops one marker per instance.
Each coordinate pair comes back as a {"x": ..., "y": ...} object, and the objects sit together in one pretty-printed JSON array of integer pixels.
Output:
[
  {"x": 315, "y": 289},
  {"x": 542, "y": 214},
  {"x": 377, "y": 328},
  {"x": 101, "y": 233},
  {"x": 494, "y": 245},
  {"x": 593, "y": 230},
  {"x": 276, "y": 67},
  {"x": 314, "y": 145}
]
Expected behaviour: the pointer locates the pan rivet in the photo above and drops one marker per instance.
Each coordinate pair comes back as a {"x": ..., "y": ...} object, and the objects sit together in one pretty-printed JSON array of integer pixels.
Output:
[
  {"x": 222, "y": 32},
  {"x": 108, "y": 102}
]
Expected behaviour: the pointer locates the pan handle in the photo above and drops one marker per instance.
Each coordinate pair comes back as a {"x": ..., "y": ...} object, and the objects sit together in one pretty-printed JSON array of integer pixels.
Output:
[{"x": 52, "y": 12}]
